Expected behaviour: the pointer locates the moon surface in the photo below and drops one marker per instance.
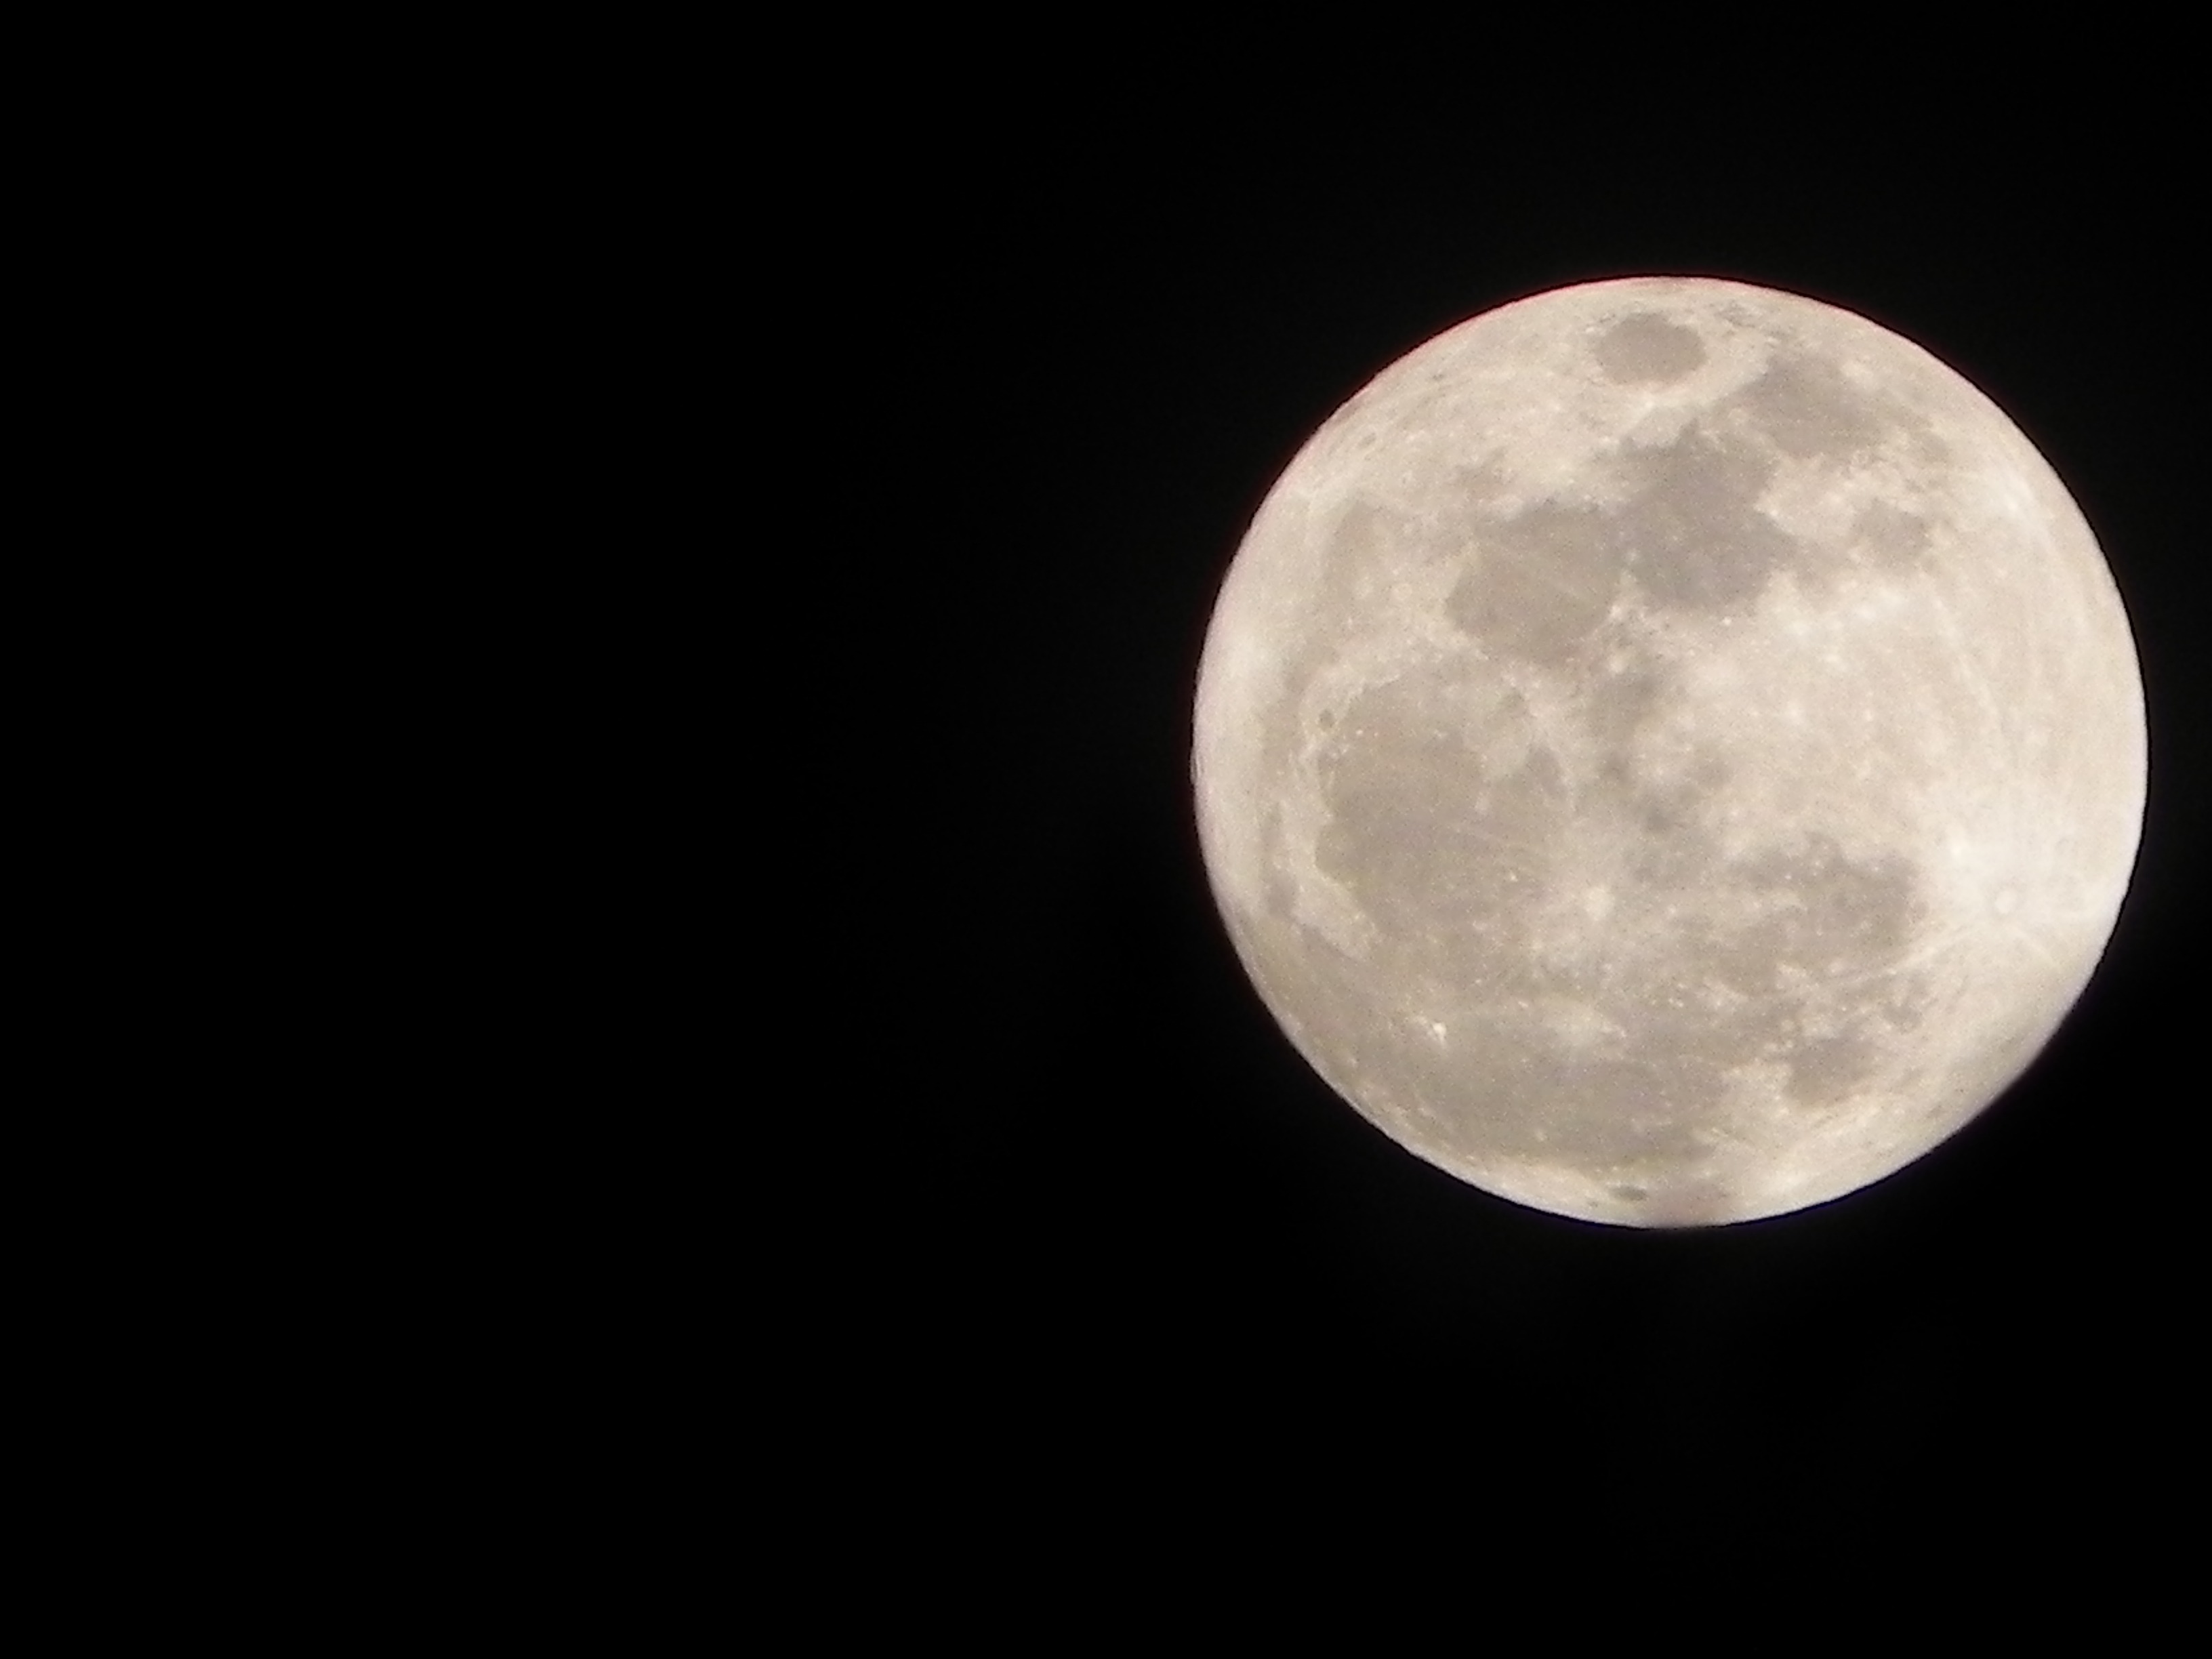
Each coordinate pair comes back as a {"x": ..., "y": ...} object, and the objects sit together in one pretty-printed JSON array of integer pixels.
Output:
[{"x": 1669, "y": 752}]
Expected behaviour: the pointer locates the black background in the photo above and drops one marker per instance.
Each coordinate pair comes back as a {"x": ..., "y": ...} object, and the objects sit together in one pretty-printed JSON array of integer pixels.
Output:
[{"x": 1151, "y": 1239}]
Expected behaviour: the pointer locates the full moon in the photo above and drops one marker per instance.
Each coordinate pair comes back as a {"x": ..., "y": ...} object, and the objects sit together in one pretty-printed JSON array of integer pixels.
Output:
[{"x": 1669, "y": 752}]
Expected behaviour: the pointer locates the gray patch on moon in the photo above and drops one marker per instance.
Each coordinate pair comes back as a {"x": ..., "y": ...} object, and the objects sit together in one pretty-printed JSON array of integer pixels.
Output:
[
  {"x": 1684, "y": 519},
  {"x": 1571, "y": 1011},
  {"x": 1889, "y": 539},
  {"x": 1363, "y": 538},
  {"x": 1700, "y": 542},
  {"x": 1621, "y": 701},
  {"x": 1544, "y": 580},
  {"x": 1647, "y": 349},
  {"x": 1825, "y": 1069},
  {"x": 1806, "y": 407},
  {"x": 1431, "y": 847},
  {"x": 1469, "y": 494},
  {"x": 1686, "y": 528},
  {"x": 1812, "y": 914}
]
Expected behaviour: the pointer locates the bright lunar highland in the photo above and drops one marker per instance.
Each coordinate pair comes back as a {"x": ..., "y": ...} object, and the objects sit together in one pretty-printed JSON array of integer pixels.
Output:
[{"x": 1669, "y": 752}]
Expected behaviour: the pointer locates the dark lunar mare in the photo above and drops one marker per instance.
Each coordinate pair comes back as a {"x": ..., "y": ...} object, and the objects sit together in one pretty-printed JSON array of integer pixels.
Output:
[{"x": 1704, "y": 966}]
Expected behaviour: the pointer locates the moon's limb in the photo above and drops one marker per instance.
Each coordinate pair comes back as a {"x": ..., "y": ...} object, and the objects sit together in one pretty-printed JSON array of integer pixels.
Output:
[{"x": 1669, "y": 751}]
